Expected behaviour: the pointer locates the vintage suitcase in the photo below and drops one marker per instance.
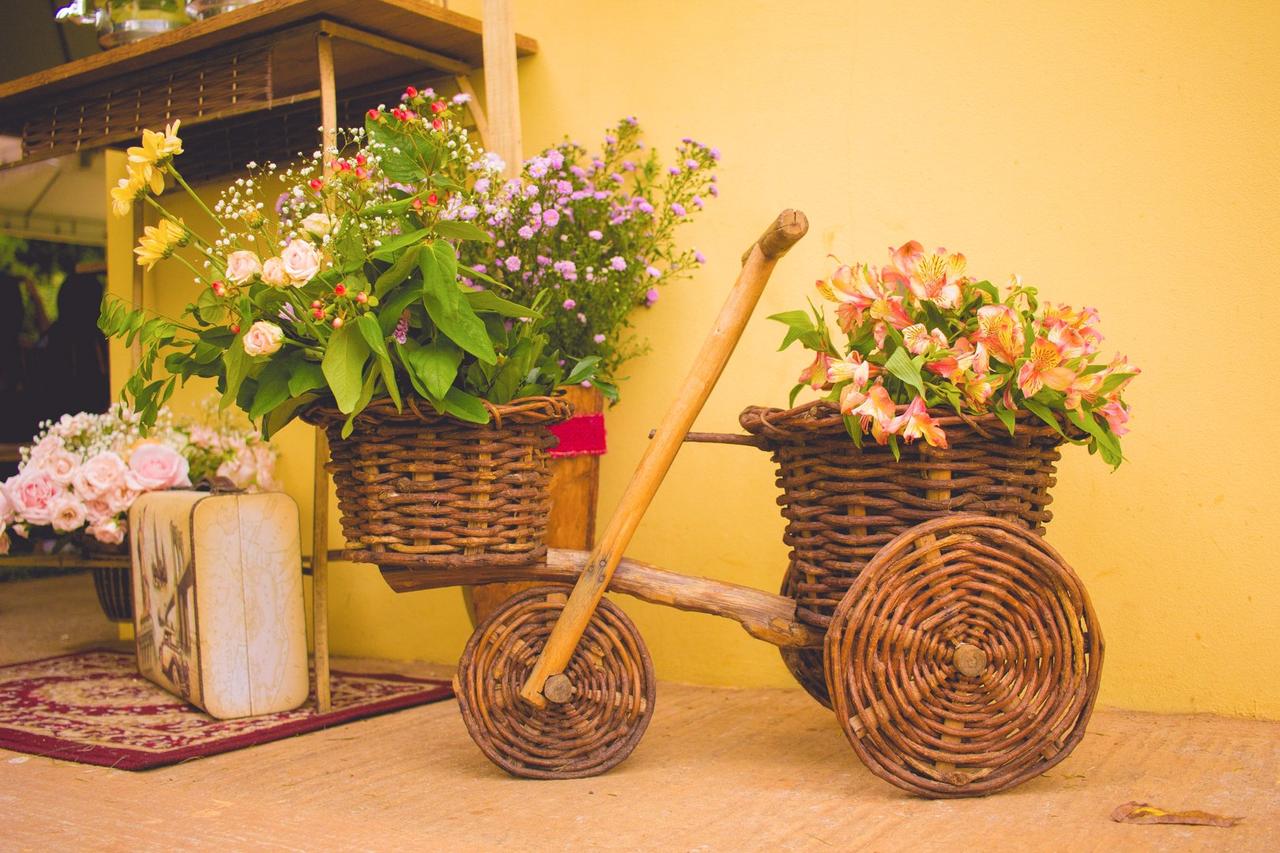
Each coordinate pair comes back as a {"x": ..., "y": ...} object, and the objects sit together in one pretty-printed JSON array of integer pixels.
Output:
[{"x": 217, "y": 599}]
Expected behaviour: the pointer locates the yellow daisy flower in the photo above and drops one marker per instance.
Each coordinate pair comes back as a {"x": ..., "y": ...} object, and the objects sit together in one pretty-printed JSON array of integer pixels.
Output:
[
  {"x": 159, "y": 241},
  {"x": 124, "y": 193}
]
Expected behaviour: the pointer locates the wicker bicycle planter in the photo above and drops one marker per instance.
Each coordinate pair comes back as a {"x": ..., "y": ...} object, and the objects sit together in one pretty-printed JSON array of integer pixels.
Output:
[
  {"x": 420, "y": 489},
  {"x": 843, "y": 503}
]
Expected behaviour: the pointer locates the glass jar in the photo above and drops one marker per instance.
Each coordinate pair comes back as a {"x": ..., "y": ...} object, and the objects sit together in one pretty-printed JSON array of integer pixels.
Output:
[
  {"x": 201, "y": 9},
  {"x": 125, "y": 21}
]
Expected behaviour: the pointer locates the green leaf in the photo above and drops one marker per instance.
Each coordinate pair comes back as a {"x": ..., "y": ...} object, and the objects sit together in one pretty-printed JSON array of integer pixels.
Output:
[
  {"x": 446, "y": 306},
  {"x": 1044, "y": 413},
  {"x": 584, "y": 369},
  {"x": 395, "y": 244},
  {"x": 343, "y": 366},
  {"x": 465, "y": 407},
  {"x": 1007, "y": 418},
  {"x": 490, "y": 302},
  {"x": 1114, "y": 381},
  {"x": 366, "y": 394},
  {"x": 368, "y": 325},
  {"x": 306, "y": 376},
  {"x": 397, "y": 272},
  {"x": 800, "y": 327},
  {"x": 393, "y": 306},
  {"x": 273, "y": 384},
  {"x": 475, "y": 274},
  {"x": 901, "y": 366},
  {"x": 434, "y": 366},
  {"x": 1107, "y": 443},
  {"x": 456, "y": 229},
  {"x": 277, "y": 418},
  {"x": 238, "y": 363}
]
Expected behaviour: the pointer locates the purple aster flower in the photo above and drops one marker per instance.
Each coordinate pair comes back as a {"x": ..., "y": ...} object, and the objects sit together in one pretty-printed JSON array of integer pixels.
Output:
[
  {"x": 287, "y": 313},
  {"x": 569, "y": 305},
  {"x": 699, "y": 257},
  {"x": 715, "y": 153},
  {"x": 653, "y": 271},
  {"x": 512, "y": 263},
  {"x": 691, "y": 164},
  {"x": 401, "y": 333},
  {"x": 595, "y": 234},
  {"x": 538, "y": 167},
  {"x": 551, "y": 217},
  {"x": 586, "y": 383},
  {"x": 628, "y": 166},
  {"x": 543, "y": 260},
  {"x": 677, "y": 208},
  {"x": 461, "y": 98},
  {"x": 525, "y": 232},
  {"x": 531, "y": 190},
  {"x": 610, "y": 139},
  {"x": 715, "y": 191},
  {"x": 468, "y": 212},
  {"x": 673, "y": 170},
  {"x": 555, "y": 159},
  {"x": 697, "y": 201},
  {"x": 601, "y": 195},
  {"x": 651, "y": 296},
  {"x": 481, "y": 268},
  {"x": 644, "y": 207},
  {"x": 564, "y": 187},
  {"x": 598, "y": 338},
  {"x": 618, "y": 263},
  {"x": 578, "y": 171}
]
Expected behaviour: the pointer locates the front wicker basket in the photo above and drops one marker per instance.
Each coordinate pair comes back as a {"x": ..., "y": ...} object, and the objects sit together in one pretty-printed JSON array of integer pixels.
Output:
[
  {"x": 843, "y": 503},
  {"x": 420, "y": 489}
]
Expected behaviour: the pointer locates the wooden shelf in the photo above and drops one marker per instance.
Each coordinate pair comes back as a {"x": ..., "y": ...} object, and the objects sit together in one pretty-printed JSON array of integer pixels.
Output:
[{"x": 224, "y": 74}]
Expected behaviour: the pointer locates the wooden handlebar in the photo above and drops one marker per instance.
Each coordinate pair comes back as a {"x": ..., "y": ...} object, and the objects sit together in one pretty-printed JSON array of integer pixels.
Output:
[{"x": 788, "y": 228}]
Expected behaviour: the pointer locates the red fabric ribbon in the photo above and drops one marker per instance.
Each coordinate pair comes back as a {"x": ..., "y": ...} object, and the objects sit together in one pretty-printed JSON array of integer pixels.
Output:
[{"x": 581, "y": 435}]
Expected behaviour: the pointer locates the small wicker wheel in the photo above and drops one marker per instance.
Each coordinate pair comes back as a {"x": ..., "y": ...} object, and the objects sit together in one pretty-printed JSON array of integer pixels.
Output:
[
  {"x": 607, "y": 699},
  {"x": 805, "y": 665},
  {"x": 965, "y": 659}
]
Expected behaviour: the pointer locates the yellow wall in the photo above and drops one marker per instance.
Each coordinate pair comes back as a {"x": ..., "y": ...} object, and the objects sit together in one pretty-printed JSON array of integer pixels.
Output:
[{"x": 1117, "y": 155}]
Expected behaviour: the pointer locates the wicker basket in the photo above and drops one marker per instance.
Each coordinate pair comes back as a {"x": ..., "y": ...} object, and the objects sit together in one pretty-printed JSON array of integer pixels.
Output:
[
  {"x": 418, "y": 488},
  {"x": 842, "y": 503}
]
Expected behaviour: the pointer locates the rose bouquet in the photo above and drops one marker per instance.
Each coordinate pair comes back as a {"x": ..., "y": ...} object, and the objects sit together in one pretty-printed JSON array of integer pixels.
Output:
[
  {"x": 598, "y": 232},
  {"x": 83, "y": 472},
  {"x": 922, "y": 334},
  {"x": 345, "y": 288},
  {"x": 220, "y": 447}
]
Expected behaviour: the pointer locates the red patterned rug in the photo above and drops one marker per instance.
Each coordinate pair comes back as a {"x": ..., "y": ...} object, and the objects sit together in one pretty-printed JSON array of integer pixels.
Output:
[{"x": 94, "y": 708}]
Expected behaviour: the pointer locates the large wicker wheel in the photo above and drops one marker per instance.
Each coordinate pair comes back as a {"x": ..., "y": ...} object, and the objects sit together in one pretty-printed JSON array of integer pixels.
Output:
[
  {"x": 805, "y": 665},
  {"x": 965, "y": 659},
  {"x": 607, "y": 700}
]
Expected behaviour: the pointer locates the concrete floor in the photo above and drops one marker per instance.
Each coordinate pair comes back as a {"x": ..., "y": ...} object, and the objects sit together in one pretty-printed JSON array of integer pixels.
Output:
[{"x": 718, "y": 770}]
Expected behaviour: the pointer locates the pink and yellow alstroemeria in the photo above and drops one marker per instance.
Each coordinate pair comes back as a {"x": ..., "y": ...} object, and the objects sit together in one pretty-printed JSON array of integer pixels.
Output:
[
  {"x": 854, "y": 290},
  {"x": 1000, "y": 331},
  {"x": 933, "y": 277},
  {"x": 919, "y": 339},
  {"x": 876, "y": 411},
  {"x": 815, "y": 375},
  {"x": 853, "y": 368},
  {"x": 1044, "y": 367},
  {"x": 1083, "y": 389},
  {"x": 915, "y": 423},
  {"x": 1117, "y": 417}
]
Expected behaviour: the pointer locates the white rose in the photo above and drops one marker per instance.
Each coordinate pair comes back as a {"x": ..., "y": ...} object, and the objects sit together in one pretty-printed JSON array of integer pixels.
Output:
[
  {"x": 318, "y": 224},
  {"x": 301, "y": 261},
  {"x": 242, "y": 266},
  {"x": 273, "y": 272},
  {"x": 263, "y": 338}
]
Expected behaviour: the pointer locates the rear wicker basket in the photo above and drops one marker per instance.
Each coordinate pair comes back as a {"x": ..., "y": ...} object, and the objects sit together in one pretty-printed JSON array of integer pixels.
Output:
[
  {"x": 842, "y": 503},
  {"x": 420, "y": 489}
]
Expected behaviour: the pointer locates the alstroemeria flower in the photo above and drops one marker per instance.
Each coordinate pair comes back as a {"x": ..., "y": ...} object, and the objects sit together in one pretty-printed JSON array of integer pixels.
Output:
[
  {"x": 945, "y": 367},
  {"x": 1117, "y": 417},
  {"x": 853, "y": 368},
  {"x": 1083, "y": 388},
  {"x": 918, "y": 339},
  {"x": 1044, "y": 367},
  {"x": 851, "y": 397},
  {"x": 815, "y": 375},
  {"x": 1000, "y": 330},
  {"x": 933, "y": 277},
  {"x": 891, "y": 310},
  {"x": 979, "y": 391},
  {"x": 915, "y": 423},
  {"x": 853, "y": 289},
  {"x": 876, "y": 411}
]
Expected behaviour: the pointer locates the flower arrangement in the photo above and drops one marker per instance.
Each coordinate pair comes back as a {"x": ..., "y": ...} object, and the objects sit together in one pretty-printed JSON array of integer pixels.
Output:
[
  {"x": 598, "y": 232},
  {"x": 348, "y": 287},
  {"x": 921, "y": 333},
  {"x": 82, "y": 472}
]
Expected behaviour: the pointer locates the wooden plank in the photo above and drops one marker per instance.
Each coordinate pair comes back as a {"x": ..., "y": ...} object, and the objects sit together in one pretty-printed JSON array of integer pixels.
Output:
[
  {"x": 416, "y": 22},
  {"x": 501, "y": 84},
  {"x": 782, "y": 234}
]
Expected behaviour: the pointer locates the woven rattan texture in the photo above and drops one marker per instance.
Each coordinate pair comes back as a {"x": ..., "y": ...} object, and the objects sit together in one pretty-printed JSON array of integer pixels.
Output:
[
  {"x": 119, "y": 110},
  {"x": 843, "y": 503},
  {"x": 607, "y": 708},
  {"x": 416, "y": 488},
  {"x": 965, "y": 660}
]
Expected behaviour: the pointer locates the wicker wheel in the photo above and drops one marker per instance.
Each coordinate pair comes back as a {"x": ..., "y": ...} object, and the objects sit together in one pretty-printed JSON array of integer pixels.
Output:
[
  {"x": 965, "y": 659},
  {"x": 608, "y": 698},
  {"x": 805, "y": 665}
]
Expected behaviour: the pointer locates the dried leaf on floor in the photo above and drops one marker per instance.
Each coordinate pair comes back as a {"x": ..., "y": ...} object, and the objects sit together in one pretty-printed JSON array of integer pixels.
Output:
[{"x": 1135, "y": 812}]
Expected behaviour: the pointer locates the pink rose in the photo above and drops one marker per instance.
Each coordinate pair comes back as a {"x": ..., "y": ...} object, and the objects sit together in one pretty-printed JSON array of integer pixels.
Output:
[
  {"x": 31, "y": 494},
  {"x": 263, "y": 338},
  {"x": 98, "y": 509},
  {"x": 101, "y": 473},
  {"x": 109, "y": 532},
  {"x": 120, "y": 498},
  {"x": 157, "y": 466},
  {"x": 301, "y": 261},
  {"x": 68, "y": 513},
  {"x": 59, "y": 463},
  {"x": 6, "y": 509},
  {"x": 242, "y": 266},
  {"x": 273, "y": 272}
]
